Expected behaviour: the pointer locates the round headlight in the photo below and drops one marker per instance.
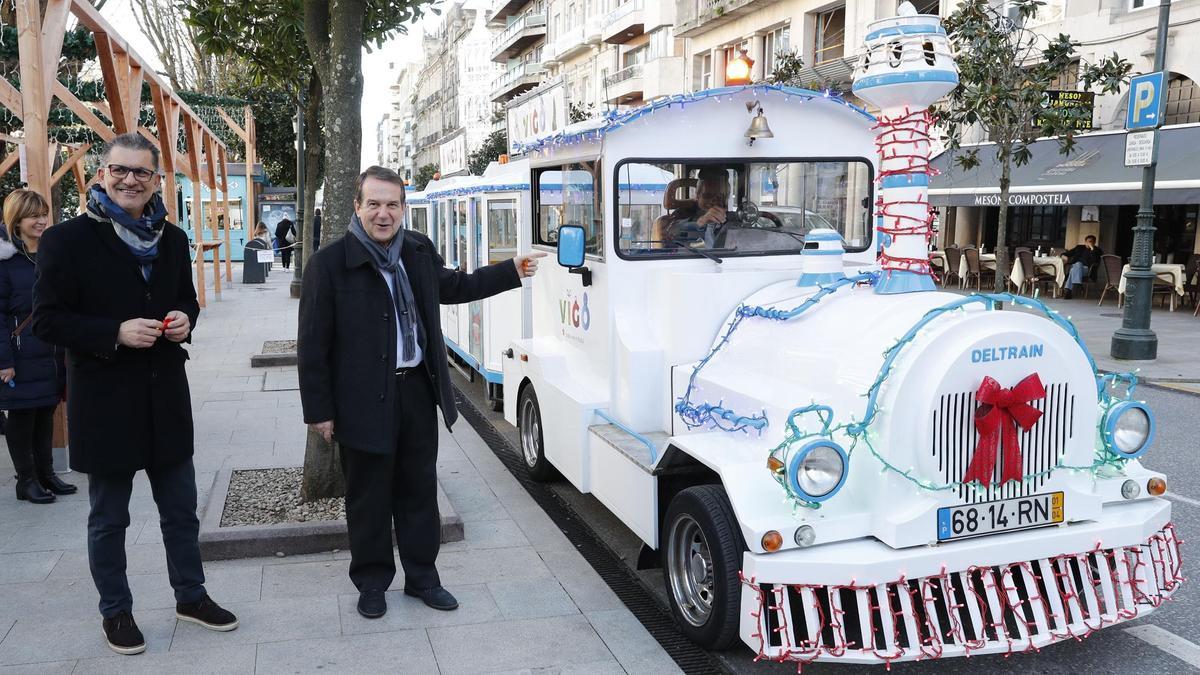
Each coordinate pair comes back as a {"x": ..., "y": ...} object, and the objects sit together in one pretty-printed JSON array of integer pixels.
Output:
[
  {"x": 1130, "y": 428},
  {"x": 818, "y": 470}
]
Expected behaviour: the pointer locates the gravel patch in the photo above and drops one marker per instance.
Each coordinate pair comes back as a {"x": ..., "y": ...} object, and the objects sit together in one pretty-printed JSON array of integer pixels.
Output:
[
  {"x": 279, "y": 346},
  {"x": 272, "y": 496}
]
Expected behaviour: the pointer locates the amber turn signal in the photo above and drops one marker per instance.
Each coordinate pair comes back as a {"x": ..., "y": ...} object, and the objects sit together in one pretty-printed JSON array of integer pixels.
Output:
[
  {"x": 775, "y": 464},
  {"x": 772, "y": 541},
  {"x": 1156, "y": 487}
]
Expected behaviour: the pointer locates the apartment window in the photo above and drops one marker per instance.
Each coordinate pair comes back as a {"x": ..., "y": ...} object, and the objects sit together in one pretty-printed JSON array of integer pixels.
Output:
[
  {"x": 829, "y": 37},
  {"x": 1068, "y": 79},
  {"x": 661, "y": 43},
  {"x": 635, "y": 56},
  {"x": 702, "y": 72},
  {"x": 1142, "y": 4},
  {"x": 775, "y": 43},
  {"x": 1183, "y": 101}
]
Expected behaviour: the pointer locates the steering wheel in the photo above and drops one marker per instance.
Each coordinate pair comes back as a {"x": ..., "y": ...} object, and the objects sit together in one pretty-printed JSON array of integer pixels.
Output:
[{"x": 771, "y": 217}]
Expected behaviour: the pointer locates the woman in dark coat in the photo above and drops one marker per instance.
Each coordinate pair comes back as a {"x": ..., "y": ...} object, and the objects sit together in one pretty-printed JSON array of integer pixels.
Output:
[
  {"x": 32, "y": 371},
  {"x": 282, "y": 230}
]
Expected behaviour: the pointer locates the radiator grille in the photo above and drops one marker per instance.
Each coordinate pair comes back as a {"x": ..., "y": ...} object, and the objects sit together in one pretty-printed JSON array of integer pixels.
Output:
[{"x": 955, "y": 440}]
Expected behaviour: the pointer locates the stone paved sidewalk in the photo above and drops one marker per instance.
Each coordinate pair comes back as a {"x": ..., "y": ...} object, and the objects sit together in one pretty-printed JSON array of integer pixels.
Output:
[{"x": 529, "y": 601}]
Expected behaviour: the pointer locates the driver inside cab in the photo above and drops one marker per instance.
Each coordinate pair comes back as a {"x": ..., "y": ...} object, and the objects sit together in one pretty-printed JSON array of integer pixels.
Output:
[{"x": 688, "y": 220}]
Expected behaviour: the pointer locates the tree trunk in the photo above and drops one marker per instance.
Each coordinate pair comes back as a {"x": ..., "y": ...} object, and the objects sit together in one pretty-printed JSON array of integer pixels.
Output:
[
  {"x": 314, "y": 149},
  {"x": 1002, "y": 224},
  {"x": 334, "y": 33}
]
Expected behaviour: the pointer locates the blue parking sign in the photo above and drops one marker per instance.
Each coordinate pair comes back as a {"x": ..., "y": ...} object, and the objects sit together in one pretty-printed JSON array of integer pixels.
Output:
[{"x": 1145, "y": 101}]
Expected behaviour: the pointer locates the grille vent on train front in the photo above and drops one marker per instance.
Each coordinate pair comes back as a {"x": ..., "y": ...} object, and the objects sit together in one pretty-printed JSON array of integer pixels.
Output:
[{"x": 955, "y": 441}]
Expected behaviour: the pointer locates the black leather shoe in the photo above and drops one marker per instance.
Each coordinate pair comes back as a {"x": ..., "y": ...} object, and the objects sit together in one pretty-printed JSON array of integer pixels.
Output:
[
  {"x": 122, "y": 634},
  {"x": 372, "y": 604},
  {"x": 1067, "y": 294},
  {"x": 206, "y": 613},
  {"x": 56, "y": 485},
  {"x": 29, "y": 490},
  {"x": 436, "y": 597}
]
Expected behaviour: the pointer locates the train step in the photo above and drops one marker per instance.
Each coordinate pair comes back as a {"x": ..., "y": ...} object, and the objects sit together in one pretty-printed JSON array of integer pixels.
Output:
[{"x": 632, "y": 446}]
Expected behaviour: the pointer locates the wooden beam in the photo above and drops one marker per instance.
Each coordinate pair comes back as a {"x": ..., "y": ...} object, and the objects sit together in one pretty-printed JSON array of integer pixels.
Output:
[
  {"x": 133, "y": 104},
  {"x": 168, "y": 131},
  {"x": 74, "y": 158},
  {"x": 81, "y": 111},
  {"x": 10, "y": 160},
  {"x": 102, "y": 108},
  {"x": 110, "y": 67},
  {"x": 210, "y": 148},
  {"x": 33, "y": 96},
  {"x": 237, "y": 129},
  {"x": 10, "y": 97},
  {"x": 80, "y": 181},
  {"x": 251, "y": 221},
  {"x": 54, "y": 30},
  {"x": 192, "y": 130}
]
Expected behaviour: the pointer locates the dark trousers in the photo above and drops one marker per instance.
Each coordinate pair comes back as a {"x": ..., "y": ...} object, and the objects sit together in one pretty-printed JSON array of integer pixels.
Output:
[
  {"x": 397, "y": 491},
  {"x": 30, "y": 433},
  {"x": 286, "y": 253},
  {"x": 174, "y": 490}
]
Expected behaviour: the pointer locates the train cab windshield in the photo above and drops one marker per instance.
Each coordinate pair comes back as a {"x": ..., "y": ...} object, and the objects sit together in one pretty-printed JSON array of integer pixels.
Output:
[{"x": 668, "y": 209}]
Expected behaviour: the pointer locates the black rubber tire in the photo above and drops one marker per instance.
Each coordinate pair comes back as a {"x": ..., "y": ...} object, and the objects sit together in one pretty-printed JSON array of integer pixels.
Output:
[
  {"x": 709, "y": 507},
  {"x": 530, "y": 413}
]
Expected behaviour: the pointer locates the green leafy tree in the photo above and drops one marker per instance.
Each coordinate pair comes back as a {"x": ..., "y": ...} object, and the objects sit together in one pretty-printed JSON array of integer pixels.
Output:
[
  {"x": 423, "y": 175},
  {"x": 493, "y": 146},
  {"x": 789, "y": 72},
  {"x": 580, "y": 112},
  {"x": 1004, "y": 70},
  {"x": 314, "y": 47}
]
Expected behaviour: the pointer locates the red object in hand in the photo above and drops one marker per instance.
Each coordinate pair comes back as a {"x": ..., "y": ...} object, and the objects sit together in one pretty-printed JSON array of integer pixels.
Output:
[{"x": 166, "y": 323}]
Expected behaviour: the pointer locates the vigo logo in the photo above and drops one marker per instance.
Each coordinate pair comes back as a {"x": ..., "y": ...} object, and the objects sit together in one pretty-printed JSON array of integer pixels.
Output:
[{"x": 574, "y": 312}]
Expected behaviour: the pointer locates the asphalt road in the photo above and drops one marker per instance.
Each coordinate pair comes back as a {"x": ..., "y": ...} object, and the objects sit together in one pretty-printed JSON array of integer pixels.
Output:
[{"x": 1112, "y": 650}]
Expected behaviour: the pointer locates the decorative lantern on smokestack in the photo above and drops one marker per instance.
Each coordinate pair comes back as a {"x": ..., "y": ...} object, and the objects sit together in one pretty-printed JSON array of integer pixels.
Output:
[{"x": 907, "y": 66}]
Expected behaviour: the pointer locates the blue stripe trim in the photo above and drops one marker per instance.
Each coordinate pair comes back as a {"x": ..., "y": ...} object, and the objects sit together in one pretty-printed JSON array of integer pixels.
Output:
[
  {"x": 492, "y": 376},
  {"x": 821, "y": 279},
  {"x": 904, "y": 180},
  {"x": 905, "y": 77},
  {"x": 823, "y": 236},
  {"x": 906, "y": 30},
  {"x": 455, "y": 192},
  {"x": 894, "y": 282},
  {"x": 819, "y": 251}
]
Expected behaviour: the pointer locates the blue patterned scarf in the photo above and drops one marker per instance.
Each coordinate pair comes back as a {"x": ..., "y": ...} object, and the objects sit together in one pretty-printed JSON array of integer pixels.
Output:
[
  {"x": 387, "y": 260},
  {"x": 142, "y": 234}
]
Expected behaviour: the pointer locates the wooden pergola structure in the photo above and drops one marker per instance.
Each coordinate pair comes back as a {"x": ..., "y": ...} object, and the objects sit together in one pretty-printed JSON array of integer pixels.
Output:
[{"x": 124, "y": 74}]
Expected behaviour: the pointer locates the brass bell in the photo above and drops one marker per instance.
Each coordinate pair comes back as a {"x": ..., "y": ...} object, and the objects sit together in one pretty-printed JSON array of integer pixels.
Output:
[{"x": 759, "y": 128}]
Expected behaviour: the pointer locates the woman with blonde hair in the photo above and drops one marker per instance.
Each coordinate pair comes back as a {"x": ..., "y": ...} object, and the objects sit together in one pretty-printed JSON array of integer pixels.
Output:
[{"x": 32, "y": 375}]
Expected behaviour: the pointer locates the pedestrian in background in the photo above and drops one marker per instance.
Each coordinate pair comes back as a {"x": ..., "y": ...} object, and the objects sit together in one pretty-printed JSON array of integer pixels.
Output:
[
  {"x": 31, "y": 370},
  {"x": 376, "y": 384},
  {"x": 316, "y": 230},
  {"x": 285, "y": 235},
  {"x": 115, "y": 289}
]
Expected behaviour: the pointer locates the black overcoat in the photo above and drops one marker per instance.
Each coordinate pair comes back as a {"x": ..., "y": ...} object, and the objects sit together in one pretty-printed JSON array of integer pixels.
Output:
[
  {"x": 128, "y": 409},
  {"x": 347, "y": 337},
  {"x": 40, "y": 373}
]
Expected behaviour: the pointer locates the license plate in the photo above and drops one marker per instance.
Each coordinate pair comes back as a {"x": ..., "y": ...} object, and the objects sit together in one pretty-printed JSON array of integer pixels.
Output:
[{"x": 1003, "y": 515}]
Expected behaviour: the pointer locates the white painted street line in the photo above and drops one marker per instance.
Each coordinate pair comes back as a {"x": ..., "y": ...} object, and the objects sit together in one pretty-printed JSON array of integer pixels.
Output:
[
  {"x": 1181, "y": 498},
  {"x": 1182, "y": 649}
]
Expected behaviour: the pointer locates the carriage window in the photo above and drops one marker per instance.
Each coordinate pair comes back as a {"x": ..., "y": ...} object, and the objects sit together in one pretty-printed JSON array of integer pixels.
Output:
[
  {"x": 502, "y": 229},
  {"x": 477, "y": 257},
  {"x": 570, "y": 196},
  {"x": 419, "y": 219},
  {"x": 460, "y": 234},
  {"x": 666, "y": 208},
  {"x": 435, "y": 228}
]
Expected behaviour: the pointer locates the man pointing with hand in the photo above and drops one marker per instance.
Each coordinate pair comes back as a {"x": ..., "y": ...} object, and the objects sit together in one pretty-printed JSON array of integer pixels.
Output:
[
  {"x": 115, "y": 289},
  {"x": 373, "y": 373}
]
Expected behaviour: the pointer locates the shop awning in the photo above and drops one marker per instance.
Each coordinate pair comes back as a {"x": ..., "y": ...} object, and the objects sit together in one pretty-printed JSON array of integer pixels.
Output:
[{"x": 1094, "y": 174}]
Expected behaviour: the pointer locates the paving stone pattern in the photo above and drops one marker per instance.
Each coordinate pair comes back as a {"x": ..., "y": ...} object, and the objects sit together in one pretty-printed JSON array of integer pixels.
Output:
[{"x": 529, "y": 602}]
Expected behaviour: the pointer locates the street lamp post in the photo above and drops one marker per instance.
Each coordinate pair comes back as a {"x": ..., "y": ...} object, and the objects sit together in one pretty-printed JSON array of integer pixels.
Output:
[{"x": 1135, "y": 340}]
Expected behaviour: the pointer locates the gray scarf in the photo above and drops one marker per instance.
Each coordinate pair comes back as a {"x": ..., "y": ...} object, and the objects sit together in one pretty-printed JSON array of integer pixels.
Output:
[{"x": 387, "y": 261}]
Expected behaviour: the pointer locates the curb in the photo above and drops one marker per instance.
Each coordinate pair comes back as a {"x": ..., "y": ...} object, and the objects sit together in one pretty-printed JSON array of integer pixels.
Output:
[
  {"x": 258, "y": 541},
  {"x": 269, "y": 360}
]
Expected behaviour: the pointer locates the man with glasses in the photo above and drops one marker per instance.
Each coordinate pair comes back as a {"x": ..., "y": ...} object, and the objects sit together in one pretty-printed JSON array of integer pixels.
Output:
[{"x": 115, "y": 289}]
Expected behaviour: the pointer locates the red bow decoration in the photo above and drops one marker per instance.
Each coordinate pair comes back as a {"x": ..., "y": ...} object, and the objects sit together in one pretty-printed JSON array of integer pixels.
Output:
[{"x": 999, "y": 414}]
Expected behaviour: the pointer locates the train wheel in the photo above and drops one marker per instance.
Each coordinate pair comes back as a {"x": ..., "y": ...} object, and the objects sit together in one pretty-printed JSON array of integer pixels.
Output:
[
  {"x": 701, "y": 560},
  {"x": 529, "y": 419}
]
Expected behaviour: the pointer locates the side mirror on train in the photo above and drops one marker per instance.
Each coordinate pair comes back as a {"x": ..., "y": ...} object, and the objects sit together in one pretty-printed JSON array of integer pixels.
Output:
[{"x": 572, "y": 240}]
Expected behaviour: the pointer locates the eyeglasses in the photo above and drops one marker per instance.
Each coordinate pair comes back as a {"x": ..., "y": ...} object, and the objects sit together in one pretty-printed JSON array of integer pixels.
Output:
[{"x": 120, "y": 171}]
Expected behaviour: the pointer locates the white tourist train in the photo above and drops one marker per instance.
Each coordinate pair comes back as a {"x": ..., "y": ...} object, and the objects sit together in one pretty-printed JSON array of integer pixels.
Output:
[{"x": 750, "y": 366}]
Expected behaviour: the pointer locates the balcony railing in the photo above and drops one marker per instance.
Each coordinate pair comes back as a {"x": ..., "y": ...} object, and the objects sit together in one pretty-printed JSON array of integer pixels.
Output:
[
  {"x": 623, "y": 11},
  {"x": 515, "y": 28},
  {"x": 626, "y": 73},
  {"x": 516, "y": 74},
  {"x": 568, "y": 41}
]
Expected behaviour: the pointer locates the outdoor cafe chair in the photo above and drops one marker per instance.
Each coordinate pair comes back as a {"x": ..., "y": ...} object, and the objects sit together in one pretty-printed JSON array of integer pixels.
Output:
[
  {"x": 1191, "y": 284},
  {"x": 953, "y": 260},
  {"x": 1111, "y": 266},
  {"x": 972, "y": 267},
  {"x": 1033, "y": 276}
]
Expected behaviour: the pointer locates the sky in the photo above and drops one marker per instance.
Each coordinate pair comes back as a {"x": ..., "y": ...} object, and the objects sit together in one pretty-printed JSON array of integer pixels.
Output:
[{"x": 376, "y": 75}]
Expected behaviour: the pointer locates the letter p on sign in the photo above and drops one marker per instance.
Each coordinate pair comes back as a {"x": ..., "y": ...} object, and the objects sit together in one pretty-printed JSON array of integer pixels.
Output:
[{"x": 1145, "y": 101}]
